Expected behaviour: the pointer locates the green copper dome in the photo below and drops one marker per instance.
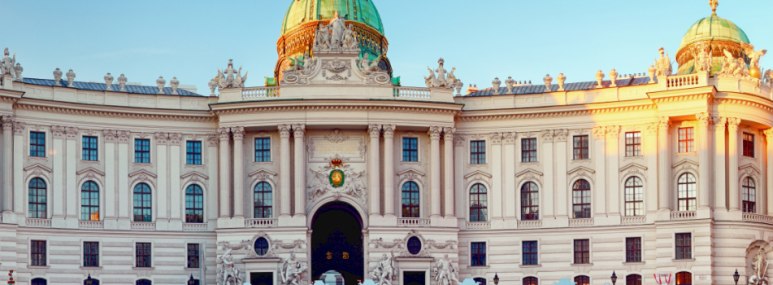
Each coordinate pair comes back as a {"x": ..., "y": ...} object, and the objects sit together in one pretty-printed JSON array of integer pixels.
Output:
[
  {"x": 714, "y": 28},
  {"x": 304, "y": 11}
]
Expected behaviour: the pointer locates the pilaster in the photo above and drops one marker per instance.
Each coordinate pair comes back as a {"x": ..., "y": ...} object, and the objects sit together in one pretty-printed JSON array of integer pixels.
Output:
[
  {"x": 434, "y": 152},
  {"x": 238, "y": 173},
  {"x": 732, "y": 165},
  {"x": 284, "y": 171},
  {"x": 299, "y": 173},
  {"x": 373, "y": 176},
  {"x": 389, "y": 171}
]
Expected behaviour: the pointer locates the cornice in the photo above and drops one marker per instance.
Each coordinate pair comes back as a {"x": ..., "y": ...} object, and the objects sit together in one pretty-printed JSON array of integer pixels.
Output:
[
  {"x": 114, "y": 111},
  {"x": 336, "y": 105},
  {"x": 551, "y": 112}
]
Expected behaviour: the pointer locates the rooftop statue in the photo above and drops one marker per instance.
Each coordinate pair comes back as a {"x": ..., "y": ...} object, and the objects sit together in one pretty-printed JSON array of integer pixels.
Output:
[
  {"x": 702, "y": 57},
  {"x": 369, "y": 66},
  {"x": 769, "y": 77},
  {"x": 8, "y": 63},
  {"x": 440, "y": 78},
  {"x": 70, "y": 78},
  {"x": 754, "y": 61},
  {"x": 231, "y": 78},
  {"x": 338, "y": 27},
  {"x": 336, "y": 37},
  {"x": 57, "y": 77},
  {"x": 108, "y": 81},
  {"x": 732, "y": 66},
  {"x": 122, "y": 82},
  {"x": 663, "y": 64}
]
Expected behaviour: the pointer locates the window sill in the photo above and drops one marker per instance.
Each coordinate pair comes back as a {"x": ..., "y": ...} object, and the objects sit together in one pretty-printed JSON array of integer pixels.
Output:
[
  {"x": 89, "y": 268},
  {"x": 531, "y": 266},
  {"x": 143, "y": 268},
  {"x": 634, "y": 263},
  {"x": 38, "y": 267},
  {"x": 479, "y": 266},
  {"x": 582, "y": 264},
  {"x": 684, "y": 260},
  {"x": 530, "y": 162}
]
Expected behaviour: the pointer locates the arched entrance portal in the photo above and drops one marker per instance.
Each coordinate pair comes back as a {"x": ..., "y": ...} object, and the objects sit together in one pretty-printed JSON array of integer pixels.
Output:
[{"x": 336, "y": 242}]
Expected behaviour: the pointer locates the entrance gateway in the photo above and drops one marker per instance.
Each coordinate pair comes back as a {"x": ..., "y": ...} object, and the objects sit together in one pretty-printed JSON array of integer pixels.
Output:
[{"x": 337, "y": 242}]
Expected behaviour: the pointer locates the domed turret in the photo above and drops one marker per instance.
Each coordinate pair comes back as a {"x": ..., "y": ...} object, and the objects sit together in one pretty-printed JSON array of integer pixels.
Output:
[
  {"x": 304, "y": 17},
  {"x": 712, "y": 34}
]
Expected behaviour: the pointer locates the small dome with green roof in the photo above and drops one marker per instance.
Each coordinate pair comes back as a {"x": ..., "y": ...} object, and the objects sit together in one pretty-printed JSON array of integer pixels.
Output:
[
  {"x": 714, "y": 28},
  {"x": 304, "y": 11}
]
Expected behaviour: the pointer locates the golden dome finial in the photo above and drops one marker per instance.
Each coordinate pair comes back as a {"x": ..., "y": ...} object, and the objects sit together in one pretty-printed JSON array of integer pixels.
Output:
[{"x": 714, "y": 4}]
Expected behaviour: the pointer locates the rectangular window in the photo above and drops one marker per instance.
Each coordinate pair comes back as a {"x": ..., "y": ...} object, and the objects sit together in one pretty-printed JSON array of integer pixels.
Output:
[
  {"x": 142, "y": 255},
  {"x": 529, "y": 150},
  {"x": 193, "y": 255},
  {"x": 633, "y": 249},
  {"x": 748, "y": 145},
  {"x": 410, "y": 149},
  {"x": 530, "y": 253},
  {"x": 91, "y": 254},
  {"x": 38, "y": 253},
  {"x": 37, "y": 144},
  {"x": 478, "y": 254},
  {"x": 683, "y": 246},
  {"x": 581, "y": 251},
  {"x": 141, "y": 150},
  {"x": 193, "y": 152},
  {"x": 632, "y": 144},
  {"x": 478, "y": 152},
  {"x": 263, "y": 149},
  {"x": 580, "y": 147},
  {"x": 90, "y": 148},
  {"x": 686, "y": 140}
]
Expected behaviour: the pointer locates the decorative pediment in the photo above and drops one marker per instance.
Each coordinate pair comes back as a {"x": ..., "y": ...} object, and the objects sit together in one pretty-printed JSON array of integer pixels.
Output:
[
  {"x": 529, "y": 172},
  {"x": 141, "y": 173},
  {"x": 478, "y": 174},
  {"x": 581, "y": 170},
  {"x": 91, "y": 171},
  {"x": 748, "y": 170},
  {"x": 685, "y": 165},
  {"x": 263, "y": 174},
  {"x": 411, "y": 174},
  {"x": 37, "y": 167},
  {"x": 633, "y": 169},
  {"x": 194, "y": 176}
]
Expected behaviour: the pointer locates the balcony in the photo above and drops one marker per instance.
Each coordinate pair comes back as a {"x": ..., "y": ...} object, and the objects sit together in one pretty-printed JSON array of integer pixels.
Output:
[
  {"x": 91, "y": 225},
  {"x": 413, "y": 222},
  {"x": 757, "y": 218},
  {"x": 38, "y": 223},
  {"x": 143, "y": 226},
  {"x": 586, "y": 222},
  {"x": 688, "y": 80},
  {"x": 194, "y": 227},
  {"x": 682, "y": 215},
  {"x": 415, "y": 93},
  {"x": 259, "y": 223},
  {"x": 259, "y": 93}
]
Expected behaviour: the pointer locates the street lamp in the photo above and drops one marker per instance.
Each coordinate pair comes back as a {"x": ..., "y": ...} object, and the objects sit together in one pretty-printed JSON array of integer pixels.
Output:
[
  {"x": 614, "y": 278},
  {"x": 736, "y": 276},
  {"x": 496, "y": 279}
]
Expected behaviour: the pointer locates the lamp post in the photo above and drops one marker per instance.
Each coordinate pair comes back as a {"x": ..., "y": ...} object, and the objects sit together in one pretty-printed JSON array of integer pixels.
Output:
[
  {"x": 496, "y": 279},
  {"x": 736, "y": 276}
]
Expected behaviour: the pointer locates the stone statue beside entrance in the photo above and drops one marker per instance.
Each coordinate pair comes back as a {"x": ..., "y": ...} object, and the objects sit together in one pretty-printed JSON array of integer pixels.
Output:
[
  {"x": 292, "y": 271},
  {"x": 384, "y": 271},
  {"x": 228, "y": 273},
  {"x": 445, "y": 272},
  {"x": 759, "y": 269}
]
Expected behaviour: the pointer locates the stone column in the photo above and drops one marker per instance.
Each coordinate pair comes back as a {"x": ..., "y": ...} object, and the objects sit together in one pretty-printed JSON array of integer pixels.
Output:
[
  {"x": 238, "y": 158},
  {"x": 284, "y": 170},
  {"x": 110, "y": 138},
  {"x": 213, "y": 167},
  {"x": 72, "y": 188},
  {"x": 598, "y": 191},
  {"x": 389, "y": 170},
  {"x": 664, "y": 165},
  {"x": 561, "y": 200},
  {"x": 448, "y": 172},
  {"x": 732, "y": 164},
  {"x": 510, "y": 201},
  {"x": 495, "y": 204},
  {"x": 720, "y": 184},
  {"x": 7, "y": 190},
  {"x": 225, "y": 175},
  {"x": 373, "y": 176},
  {"x": 769, "y": 169},
  {"x": 548, "y": 198},
  {"x": 18, "y": 168},
  {"x": 459, "y": 176},
  {"x": 162, "y": 162},
  {"x": 650, "y": 153},
  {"x": 434, "y": 154},
  {"x": 58, "y": 187},
  {"x": 613, "y": 170},
  {"x": 704, "y": 160},
  {"x": 175, "y": 184},
  {"x": 122, "y": 161},
  {"x": 300, "y": 169}
]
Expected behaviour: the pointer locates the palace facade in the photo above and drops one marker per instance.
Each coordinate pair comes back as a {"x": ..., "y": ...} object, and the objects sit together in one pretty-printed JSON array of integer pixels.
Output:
[{"x": 335, "y": 166}]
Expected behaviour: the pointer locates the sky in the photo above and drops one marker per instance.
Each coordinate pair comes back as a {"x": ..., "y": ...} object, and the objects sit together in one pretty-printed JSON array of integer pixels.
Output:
[{"x": 483, "y": 39}]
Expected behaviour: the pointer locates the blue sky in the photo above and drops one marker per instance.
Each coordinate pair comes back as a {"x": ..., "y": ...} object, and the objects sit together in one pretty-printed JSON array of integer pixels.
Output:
[{"x": 484, "y": 39}]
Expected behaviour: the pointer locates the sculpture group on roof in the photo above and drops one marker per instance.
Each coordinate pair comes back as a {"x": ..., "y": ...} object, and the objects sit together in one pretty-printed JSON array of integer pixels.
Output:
[
  {"x": 336, "y": 36},
  {"x": 9, "y": 67},
  {"x": 230, "y": 78},
  {"x": 441, "y": 78}
]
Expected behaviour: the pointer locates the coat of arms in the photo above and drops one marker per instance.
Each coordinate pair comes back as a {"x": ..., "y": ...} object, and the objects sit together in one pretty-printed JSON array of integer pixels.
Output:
[{"x": 337, "y": 176}]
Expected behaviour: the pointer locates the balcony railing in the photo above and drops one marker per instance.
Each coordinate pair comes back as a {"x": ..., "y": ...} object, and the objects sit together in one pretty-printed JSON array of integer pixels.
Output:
[
  {"x": 91, "y": 225},
  {"x": 581, "y": 222},
  {"x": 478, "y": 225},
  {"x": 259, "y": 223},
  {"x": 38, "y": 223},
  {"x": 259, "y": 93},
  {"x": 412, "y": 93},
  {"x": 143, "y": 226},
  {"x": 678, "y": 81},
  {"x": 757, "y": 218},
  {"x": 413, "y": 222},
  {"x": 633, "y": 220},
  {"x": 682, "y": 215},
  {"x": 529, "y": 224},
  {"x": 194, "y": 227}
]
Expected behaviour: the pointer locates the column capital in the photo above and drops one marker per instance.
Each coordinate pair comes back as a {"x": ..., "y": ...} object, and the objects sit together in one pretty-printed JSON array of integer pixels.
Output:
[
  {"x": 71, "y": 132},
  {"x": 704, "y": 119},
  {"x": 123, "y": 136},
  {"x": 664, "y": 122},
  {"x": 175, "y": 138},
  {"x": 224, "y": 133},
  {"x": 560, "y": 135},
  {"x": 58, "y": 132},
  {"x": 18, "y": 128},
  {"x": 374, "y": 130},
  {"x": 8, "y": 122},
  {"x": 547, "y": 136},
  {"x": 496, "y": 138},
  {"x": 161, "y": 137},
  {"x": 459, "y": 141},
  {"x": 284, "y": 131},
  {"x": 719, "y": 122},
  {"x": 389, "y": 130},
  {"x": 111, "y": 136},
  {"x": 599, "y": 132},
  {"x": 651, "y": 129},
  {"x": 508, "y": 137},
  {"x": 213, "y": 140},
  {"x": 613, "y": 130},
  {"x": 733, "y": 123},
  {"x": 299, "y": 130},
  {"x": 434, "y": 133},
  {"x": 238, "y": 133}
]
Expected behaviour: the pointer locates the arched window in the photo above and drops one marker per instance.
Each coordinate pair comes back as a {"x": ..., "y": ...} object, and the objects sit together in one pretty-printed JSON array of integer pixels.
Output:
[
  {"x": 262, "y": 200},
  {"x": 410, "y": 195},
  {"x": 529, "y": 201},
  {"x": 686, "y": 192},
  {"x": 478, "y": 203},
  {"x": 39, "y": 281},
  {"x": 143, "y": 282},
  {"x": 581, "y": 199},
  {"x": 91, "y": 281},
  {"x": 194, "y": 204},
  {"x": 634, "y": 196},
  {"x": 479, "y": 280},
  {"x": 38, "y": 206},
  {"x": 90, "y": 201},
  {"x": 531, "y": 280},
  {"x": 582, "y": 280},
  {"x": 143, "y": 202},
  {"x": 633, "y": 279},
  {"x": 749, "y": 195},
  {"x": 684, "y": 278}
]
